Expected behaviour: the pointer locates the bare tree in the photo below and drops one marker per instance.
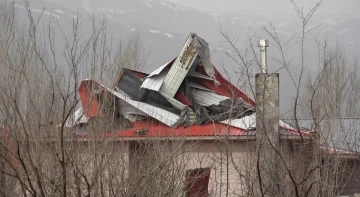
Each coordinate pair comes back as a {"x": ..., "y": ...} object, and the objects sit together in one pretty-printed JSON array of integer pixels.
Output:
[
  {"x": 308, "y": 168},
  {"x": 42, "y": 156}
]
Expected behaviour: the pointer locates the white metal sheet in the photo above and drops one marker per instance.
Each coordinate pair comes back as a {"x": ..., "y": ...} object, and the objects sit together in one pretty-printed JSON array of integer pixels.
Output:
[
  {"x": 159, "y": 70},
  {"x": 177, "y": 104},
  {"x": 206, "y": 98},
  {"x": 77, "y": 118},
  {"x": 249, "y": 122},
  {"x": 180, "y": 68},
  {"x": 155, "y": 82},
  {"x": 156, "y": 78},
  {"x": 159, "y": 114},
  {"x": 246, "y": 122}
]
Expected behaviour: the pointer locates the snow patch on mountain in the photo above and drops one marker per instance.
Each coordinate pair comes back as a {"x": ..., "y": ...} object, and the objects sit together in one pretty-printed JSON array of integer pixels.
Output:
[
  {"x": 59, "y": 11},
  {"x": 343, "y": 31},
  {"x": 225, "y": 50},
  {"x": 233, "y": 20},
  {"x": 181, "y": 8},
  {"x": 73, "y": 16},
  {"x": 104, "y": 10},
  {"x": 173, "y": 7},
  {"x": 168, "y": 35},
  {"x": 154, "y": 31},
  {"x": 86, "y": 5},
  {"x": 126, "y": 11},
  {"x": 38, "y": 11}
]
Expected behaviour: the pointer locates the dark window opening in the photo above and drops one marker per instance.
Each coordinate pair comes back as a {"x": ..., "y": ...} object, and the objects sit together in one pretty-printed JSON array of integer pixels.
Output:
[{"x": 197, "y": 182}]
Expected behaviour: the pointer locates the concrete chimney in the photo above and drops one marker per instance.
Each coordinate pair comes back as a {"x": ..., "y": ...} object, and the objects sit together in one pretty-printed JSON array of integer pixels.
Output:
[{"x": 267, "y": 126}]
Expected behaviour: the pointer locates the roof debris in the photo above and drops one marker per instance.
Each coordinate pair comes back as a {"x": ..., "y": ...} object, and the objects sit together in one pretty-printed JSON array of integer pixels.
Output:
[{"x": 185, "y": 92}]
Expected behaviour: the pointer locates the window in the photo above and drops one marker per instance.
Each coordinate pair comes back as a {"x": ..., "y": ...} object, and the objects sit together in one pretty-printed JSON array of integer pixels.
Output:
[{"x": 197, "y": 182}]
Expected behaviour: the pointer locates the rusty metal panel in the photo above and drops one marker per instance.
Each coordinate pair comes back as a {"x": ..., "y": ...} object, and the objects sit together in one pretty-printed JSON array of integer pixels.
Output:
[{"x": 180, "y": 68}]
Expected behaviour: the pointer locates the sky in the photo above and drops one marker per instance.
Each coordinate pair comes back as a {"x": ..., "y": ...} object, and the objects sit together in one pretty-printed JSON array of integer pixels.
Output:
[{"x": 343, "y": 7}]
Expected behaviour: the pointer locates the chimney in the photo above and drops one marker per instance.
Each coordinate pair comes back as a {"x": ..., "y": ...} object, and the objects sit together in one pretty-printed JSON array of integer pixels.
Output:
[
  {"x": 263, "y": 44},
  {"x": 267, "y": 125}
]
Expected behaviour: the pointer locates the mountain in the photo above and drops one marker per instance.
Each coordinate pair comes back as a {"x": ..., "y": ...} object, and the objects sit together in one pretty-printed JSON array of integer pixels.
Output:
[{"x": 164, "y": 27}]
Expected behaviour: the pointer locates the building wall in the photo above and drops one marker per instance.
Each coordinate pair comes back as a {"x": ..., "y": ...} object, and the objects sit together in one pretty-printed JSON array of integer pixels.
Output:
[
  {"x": 111, "y": 167},
  {"x": 351, "y": 179},
  {"x": 230, "y": 163}
]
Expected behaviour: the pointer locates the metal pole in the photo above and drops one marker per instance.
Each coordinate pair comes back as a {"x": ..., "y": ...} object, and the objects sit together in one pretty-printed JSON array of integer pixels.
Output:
[{"x": 263, "y": 44}]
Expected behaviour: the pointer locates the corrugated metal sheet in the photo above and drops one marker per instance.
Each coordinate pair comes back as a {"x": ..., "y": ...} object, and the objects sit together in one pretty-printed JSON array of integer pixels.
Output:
[
  {"x": 198, "y": 86},
  {"x": 126, "y": 108},
  {"x": 160, "y": 69},
  {"x": 203, "y": 51},
  {"x": 199, "y": 75},
  {"x": 153, "y": 96},
  {"x": 156, "y": 78},
  {"x": 177, "y": 104},
  {"x": 180, "y": 68},
  {"x": 206, "y": 98},
  {"x": 246, "y": 122},
  {"x": 155, "y": 82},
  {"x": 159, "y": 114}
]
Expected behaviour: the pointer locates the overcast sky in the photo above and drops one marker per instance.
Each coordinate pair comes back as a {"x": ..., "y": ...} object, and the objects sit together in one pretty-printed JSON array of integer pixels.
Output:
[{"x": 344, "y": 7}]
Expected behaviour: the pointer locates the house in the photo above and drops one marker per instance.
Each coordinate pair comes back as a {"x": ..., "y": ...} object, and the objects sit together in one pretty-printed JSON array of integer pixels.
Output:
[
  {"x": 182, "y": 130},
  {"x": 187, "y": 103}
]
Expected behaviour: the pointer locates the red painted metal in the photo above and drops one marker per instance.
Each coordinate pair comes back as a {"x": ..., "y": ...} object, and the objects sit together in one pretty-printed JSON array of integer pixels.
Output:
[
  {"x": 156, "y": 129},
  {"x": 89, "y": 103},
  {"x": 182, "y": 98}
]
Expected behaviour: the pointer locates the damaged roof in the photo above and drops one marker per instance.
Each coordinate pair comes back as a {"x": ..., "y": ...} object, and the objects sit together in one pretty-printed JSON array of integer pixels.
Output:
[{"x": 185, "y": 97}]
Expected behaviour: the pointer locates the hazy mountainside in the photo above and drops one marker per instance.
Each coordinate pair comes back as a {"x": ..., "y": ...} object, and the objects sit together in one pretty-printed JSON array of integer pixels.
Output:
[{"x": 164, "y": 27}]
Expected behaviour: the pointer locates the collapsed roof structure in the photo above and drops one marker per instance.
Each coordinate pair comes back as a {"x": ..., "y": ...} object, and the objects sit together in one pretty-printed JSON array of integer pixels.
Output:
[{"x": 185, "y": 97}]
